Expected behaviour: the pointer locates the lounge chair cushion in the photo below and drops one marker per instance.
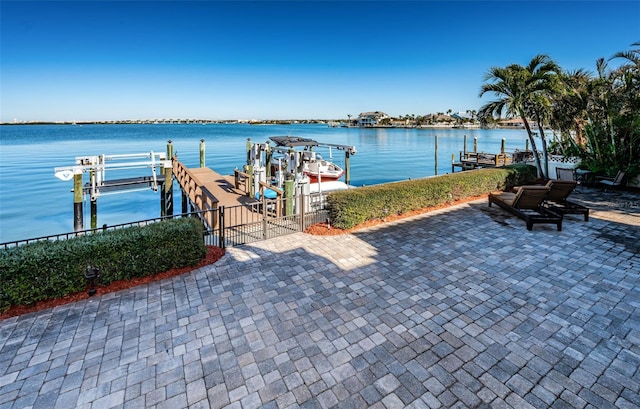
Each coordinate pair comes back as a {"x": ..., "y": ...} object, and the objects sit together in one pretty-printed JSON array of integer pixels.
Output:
[{"x": 556, "y": 199}]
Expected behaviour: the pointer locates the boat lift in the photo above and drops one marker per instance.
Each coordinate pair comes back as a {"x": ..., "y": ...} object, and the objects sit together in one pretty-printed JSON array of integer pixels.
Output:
[
  {"x": 161, "y": 170},
  {"x": 285, "y": 145},
  {"x": 290, "y": 181}
]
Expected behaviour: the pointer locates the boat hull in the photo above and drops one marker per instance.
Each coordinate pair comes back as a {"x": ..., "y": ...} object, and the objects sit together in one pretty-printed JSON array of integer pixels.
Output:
[{"x": 324, "y": 177}]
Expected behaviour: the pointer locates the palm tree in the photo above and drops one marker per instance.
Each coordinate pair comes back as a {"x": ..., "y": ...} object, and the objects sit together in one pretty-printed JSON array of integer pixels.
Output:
[
  {"x": 523, "y": 92},
  {"x": 633, "y": 57},
  {"x": 604, "y": 112},
  {"x": 570, "y": 107}
]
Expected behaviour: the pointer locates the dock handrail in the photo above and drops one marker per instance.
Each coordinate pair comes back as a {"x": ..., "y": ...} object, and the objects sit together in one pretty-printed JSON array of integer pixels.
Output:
[
  {"x": 278, "y": 199},
  {"x": 242, "y": 181},
  {"x": 199, "y": 195}
]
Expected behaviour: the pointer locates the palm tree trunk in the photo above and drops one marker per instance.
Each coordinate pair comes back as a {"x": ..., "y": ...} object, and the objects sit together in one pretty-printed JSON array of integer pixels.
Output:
[
  {"x": 534, "y": 149},
  {"x": 545, "y": 153}
]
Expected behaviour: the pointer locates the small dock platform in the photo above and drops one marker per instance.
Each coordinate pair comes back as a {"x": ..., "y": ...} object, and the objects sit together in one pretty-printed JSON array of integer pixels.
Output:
[{"x": 475, "y": 160}]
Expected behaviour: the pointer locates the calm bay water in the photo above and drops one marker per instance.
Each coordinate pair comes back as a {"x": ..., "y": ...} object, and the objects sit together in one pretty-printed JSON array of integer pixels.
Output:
[{"x": 33, "y": 202}]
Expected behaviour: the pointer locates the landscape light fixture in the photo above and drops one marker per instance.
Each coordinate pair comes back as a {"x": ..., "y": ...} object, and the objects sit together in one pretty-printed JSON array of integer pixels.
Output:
[{"x": 91, "y": 275}]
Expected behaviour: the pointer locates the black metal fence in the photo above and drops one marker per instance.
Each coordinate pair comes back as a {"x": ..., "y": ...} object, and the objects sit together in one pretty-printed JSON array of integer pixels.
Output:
[
  {"x": 230, "y": 225},
  {"x": 265, "y": 219}
]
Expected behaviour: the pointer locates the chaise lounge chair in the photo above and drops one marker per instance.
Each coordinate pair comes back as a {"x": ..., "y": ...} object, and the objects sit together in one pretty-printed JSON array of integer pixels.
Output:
[
  {"x": 556, "y": 199},
  {"x": 526, "y": 203}
]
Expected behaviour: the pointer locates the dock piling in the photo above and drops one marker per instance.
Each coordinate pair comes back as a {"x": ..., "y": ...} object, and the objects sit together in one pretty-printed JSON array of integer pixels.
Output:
[
  {"x": 167, "y": 208},
  {"x": 268, "y": 158},
  {"x": 202, "y": 153},
  {"x": 78, "y": 223},
  {"x": 436, "y": 164},
  {"x": 289, "y": 187},
  {"x": 249, "y": 147},
  {"x": 94, "y": 214},
  {"x": 347, "y": 171}
]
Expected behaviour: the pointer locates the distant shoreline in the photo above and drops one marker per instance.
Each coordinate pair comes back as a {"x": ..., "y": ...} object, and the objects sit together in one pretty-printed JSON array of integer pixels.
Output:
[
  {"x": 245, "y": 122},
  {"x": 175, "y": 122}
]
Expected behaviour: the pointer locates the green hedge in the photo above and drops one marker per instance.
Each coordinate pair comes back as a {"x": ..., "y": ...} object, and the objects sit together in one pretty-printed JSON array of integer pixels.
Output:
[
  {"x": 53, "y": 269},
  {"x": 348, "y": 208}
]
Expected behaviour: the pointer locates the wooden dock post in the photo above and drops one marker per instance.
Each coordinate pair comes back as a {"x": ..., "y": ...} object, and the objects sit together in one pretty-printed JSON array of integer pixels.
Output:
[
  {"x": 93, "y": 207},
  {"x": 347, "y": 170},
  {"x": 436, "y": 164},
  {"x": 464, "y": 147},
  {"x": 94, "y": 214},
  {"x": 78, "y": 223},
  {"x": 167, "y": 206},
  {"x": 268, "y": 153},
  {"x": 453, "y": 162},
  {"x": 252, "y": 187},
  {"x": 289, "y": 187},
  {"x": 475, "y": 144},
  {"x": 502, "y": 146},
  {"x": 202, "y": 154},
  {"x": 185, "y": 202}
]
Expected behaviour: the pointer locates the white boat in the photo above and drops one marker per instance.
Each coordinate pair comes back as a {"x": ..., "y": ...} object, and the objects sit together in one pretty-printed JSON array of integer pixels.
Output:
[
  {"x": 319, "y": 169},
  {"x": 313, "y": 165},
  {"x": 328, "y": 186}
]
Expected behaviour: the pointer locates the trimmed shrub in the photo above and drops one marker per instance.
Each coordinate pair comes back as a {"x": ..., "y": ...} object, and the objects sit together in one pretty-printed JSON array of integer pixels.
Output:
[
  {"x": 53, "y": 269},
  {"x": 348, "y": 208}
]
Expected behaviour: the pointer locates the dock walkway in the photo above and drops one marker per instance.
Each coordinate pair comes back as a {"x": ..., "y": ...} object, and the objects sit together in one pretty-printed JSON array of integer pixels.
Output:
[
  {"x": 222, "y": 187},
  {"x": 208, "y": 190}
]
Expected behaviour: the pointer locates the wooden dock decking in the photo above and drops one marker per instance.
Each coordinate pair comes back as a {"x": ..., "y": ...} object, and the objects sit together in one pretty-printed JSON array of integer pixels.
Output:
[
  {"x": 208, "y": 190},
  {"x": 475, "y": 160},
  {"x": 221, "y": 187}
]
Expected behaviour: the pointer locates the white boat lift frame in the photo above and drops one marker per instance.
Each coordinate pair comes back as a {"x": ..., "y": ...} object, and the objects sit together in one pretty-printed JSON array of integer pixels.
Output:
[
  {"x": 98, "y": 185},
  {"x": 98, "y": 165}
]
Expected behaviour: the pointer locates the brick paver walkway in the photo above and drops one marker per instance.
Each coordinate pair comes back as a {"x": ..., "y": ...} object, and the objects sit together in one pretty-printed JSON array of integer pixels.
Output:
[{"x": 459, "y": 308}]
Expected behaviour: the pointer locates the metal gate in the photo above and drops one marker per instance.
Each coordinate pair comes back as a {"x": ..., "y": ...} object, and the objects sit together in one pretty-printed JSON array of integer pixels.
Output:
[{"x": 266, "y": 219}]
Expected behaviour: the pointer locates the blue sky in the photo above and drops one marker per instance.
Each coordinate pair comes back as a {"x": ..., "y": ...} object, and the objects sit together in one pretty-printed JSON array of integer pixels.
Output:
[{"x": 96, "y": 60}]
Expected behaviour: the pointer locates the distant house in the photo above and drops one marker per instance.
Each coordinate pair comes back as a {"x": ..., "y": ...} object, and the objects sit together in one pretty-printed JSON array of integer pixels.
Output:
[
  {"x": 512, "y": 123},
  {"x": 517, "y": 123},
  {"x": 366, "y": 119}
]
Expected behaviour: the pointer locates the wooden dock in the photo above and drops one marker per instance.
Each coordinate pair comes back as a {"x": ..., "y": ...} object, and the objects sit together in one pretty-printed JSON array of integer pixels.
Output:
[
  {"x": 207, "y": 190},
  {"x": 222, "y": 187},
  {"x": 475, "y": 160}
]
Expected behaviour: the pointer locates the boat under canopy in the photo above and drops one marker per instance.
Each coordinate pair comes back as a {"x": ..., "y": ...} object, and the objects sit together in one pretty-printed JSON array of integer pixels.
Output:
[{"x": 293, "y": 141}]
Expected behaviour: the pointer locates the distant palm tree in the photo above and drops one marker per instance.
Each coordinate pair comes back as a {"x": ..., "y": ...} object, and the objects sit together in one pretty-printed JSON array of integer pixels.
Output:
[
  {"x": 522, "y": 92},
  {"x": 633, "y": 57}
]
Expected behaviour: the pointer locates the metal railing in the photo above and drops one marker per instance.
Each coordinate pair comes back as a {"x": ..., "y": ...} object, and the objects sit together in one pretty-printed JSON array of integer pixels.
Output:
[
  {"x": 230, "y": 225},
  {"x": 70, "y": 235}
]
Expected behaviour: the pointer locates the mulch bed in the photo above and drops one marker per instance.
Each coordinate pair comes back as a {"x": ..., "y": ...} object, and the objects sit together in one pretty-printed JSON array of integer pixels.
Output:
[
  {"x": 213, "y": 254},
  {"x": 322, "y": 229}
]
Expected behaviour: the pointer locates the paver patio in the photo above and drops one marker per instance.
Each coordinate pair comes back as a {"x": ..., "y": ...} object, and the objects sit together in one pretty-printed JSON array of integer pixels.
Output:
[{"x": 459, "y": 308}]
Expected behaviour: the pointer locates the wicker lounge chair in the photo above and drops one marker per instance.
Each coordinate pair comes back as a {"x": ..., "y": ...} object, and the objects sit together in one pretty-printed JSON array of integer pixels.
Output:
[
  {"x": 556, "y": 199},
  {"x": 526, "y": 203}
]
